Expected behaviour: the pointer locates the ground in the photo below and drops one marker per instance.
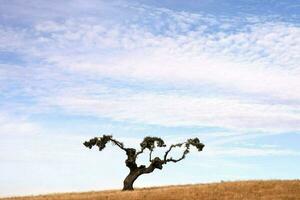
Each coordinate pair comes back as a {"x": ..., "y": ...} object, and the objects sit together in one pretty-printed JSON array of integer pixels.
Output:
[{"x": 262, "y": 190}]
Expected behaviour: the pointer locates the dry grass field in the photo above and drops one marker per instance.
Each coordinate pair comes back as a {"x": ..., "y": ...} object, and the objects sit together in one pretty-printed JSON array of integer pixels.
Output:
[{"x": 262, "y": 190}]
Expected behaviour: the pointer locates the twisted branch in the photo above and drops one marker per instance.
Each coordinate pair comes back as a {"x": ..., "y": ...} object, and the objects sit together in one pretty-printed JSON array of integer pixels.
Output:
[
  {"x": 190, "y": 142},
  {"x": 150, "y": 155},
  {"x": 102, "y": 141}
]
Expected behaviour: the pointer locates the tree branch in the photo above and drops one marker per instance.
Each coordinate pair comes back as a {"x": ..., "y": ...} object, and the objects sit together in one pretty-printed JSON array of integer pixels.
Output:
[
  {"x": 170, "y": 148},
  {"x": 194, "y": 142},
  {"x": 119, "y": 144},
  {"x": 139, "y": 152},
  {"x": 179, "y": 159},
  {"x": 150, "y": 155},
  {"x": 102, "y": 141},
  {"x": 156, "y": 163}
]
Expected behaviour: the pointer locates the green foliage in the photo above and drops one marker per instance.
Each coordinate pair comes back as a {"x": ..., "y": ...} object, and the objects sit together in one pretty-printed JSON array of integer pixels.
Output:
[
  {"x": 149, "y": 143},
  {"x": 196, "y": 143},
  {"x": 100, "y": 142}
]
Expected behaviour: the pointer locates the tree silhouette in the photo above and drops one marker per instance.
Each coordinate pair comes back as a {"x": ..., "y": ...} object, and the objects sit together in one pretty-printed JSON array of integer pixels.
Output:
[{"x": 149, "y": 143}]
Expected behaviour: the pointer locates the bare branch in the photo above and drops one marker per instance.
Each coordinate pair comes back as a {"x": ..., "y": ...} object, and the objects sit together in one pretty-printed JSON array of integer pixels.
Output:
[
  {"x": 194, "y": 142},
  {"x": 173, "y": 160},
  {"x": 176, "y": 160},
  {"x": 172, "y": 146},
  {"x": 167, "y": 152},
  {"x": 119, "y": 144},
  {"x": 150, "y": 155},
  {"x": 139, "y": 152}
]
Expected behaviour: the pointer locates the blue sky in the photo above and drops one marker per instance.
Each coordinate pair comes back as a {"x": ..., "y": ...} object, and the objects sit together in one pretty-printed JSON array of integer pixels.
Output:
[{"x": 224, "y": 71}]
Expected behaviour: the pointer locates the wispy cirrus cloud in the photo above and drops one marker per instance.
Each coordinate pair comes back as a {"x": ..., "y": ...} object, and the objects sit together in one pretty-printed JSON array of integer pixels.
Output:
[
  {"x": 239, "y": 73},
  {"x": 177, "y": 110},
  {"x": 253, "y": 71}
]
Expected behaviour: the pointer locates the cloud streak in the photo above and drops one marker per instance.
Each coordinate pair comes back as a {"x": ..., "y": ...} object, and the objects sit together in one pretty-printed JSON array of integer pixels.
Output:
[
  {"x": 183, "y": 110},
  {"x": 254, "y": 70}
]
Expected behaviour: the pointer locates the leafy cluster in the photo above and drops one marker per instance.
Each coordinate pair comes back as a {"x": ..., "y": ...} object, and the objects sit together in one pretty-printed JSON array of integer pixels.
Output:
[
  {"x": 149, "y": 143},
  {"x": 100, "y": 142},
  {"x": 196, "y": 143},
  {"x": 192, "y": 142}
]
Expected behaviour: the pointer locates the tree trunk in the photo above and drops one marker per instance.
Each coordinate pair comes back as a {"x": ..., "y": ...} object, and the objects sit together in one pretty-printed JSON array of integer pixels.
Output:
[
  {"x": 134, "y": 174},
  {"x": 129, "y": 180},
  {"x": 136, "y": 171}
]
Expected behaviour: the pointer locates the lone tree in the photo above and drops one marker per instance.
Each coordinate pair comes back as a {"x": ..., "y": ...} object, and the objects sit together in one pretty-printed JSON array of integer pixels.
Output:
[{"x": 149, "y": 143}]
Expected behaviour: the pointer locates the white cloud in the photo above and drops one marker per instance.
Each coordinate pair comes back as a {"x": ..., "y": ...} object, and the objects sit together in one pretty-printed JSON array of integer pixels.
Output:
[
  {"x": 255, "y": 69},
  {"x": 244, "y": 62},
  {"x": 182, "y": 110},
  {"x": 260, "y": 59},
  {"x": 245, "y": 152},
  {"x": 15, "y": 126}
]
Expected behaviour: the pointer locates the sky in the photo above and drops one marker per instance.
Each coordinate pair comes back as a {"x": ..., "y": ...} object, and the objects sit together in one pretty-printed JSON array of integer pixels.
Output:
[{"x": 227, "y": 72}]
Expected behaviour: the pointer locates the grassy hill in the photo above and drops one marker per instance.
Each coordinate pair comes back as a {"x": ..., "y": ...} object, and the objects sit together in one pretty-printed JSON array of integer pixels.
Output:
[{"x": 262, "y": 190}]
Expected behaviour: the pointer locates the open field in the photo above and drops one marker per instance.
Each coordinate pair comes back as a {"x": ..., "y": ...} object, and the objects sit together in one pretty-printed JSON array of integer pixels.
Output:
[{"x": 262, "y": 190}]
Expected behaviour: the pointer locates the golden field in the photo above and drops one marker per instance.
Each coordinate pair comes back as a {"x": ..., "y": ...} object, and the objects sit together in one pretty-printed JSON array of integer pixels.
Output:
[{"x": 262, "y": 190}]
